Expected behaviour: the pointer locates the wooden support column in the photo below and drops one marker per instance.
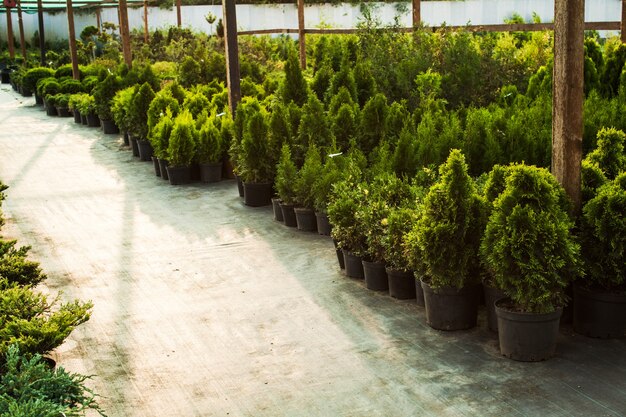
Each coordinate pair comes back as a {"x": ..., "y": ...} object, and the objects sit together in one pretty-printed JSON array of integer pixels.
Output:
[
  {"x": 146, "y": 35},
  {"x": 98, "y": 19},
  {"x": 623, "y": 26},
  {"x": 417, "y": 13},
  {"x": 125, "y": 33},
  {"x": 20, "y": 23},
  {"x": 229, "y": 10},
  {"x": 567, "y": 98},
  {"x": 179, "y": 19},
  {"x": 301, "y": 34},
  {"x": 42, "y": 35},
  {"x": 72, "y": 40},
  {"x": 10, "y": 41}
]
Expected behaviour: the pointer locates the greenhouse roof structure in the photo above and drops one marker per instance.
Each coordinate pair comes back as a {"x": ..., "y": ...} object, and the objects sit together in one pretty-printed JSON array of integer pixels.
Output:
[{"x": 30, "y": 6}]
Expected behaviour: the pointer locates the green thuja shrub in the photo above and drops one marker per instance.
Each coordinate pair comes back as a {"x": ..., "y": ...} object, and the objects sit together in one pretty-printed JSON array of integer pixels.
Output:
[
  {"x": 404, "y": 159},
  {"x": 604, "y": 235},
  {"x": 159, "y": 136},
  {"x": 400, "y": 222},
  {"x": 372, "y": 126},
  {"x": 294, "y": 114},
  {"x": 29, "y": 388},
  {"x": 396, "y": 118},
  {"x": 294, "y": 88},
  {"x": 33, "y": 75},
  {"x": 196, "y": 103},
  {"x": 527, "y": 245},
  {"x": 286, "y": 177},
  {"x": 257, "y": 164},
  {"x": 307, "y": 176},
  {"x": 592, "y": 178},
  {"x": 163, "y": 101},
  {"x": 71, "y": 86},
  {"x": 189, "y": 72},
  {"x": 339, "y": 99},
  {"x": 452, "y": 224},
  {"x": 321, "y": 81},
  {"x": 609, "y": 155},
  {"x": 103, "y": 95},
  {"x": 210, "y": 147},
  {"x": 48, "y": 87},
  {"x": 344, "y": 127},
  {"x": 138, "y": 111},
  {"x": 614, "y": 64},
  {"x": 120, "y": 108},
  {"x": 314, "y": 129},
  {"x": 279, "y": 130},
  {"x": 329, "y": 175},
  {"x": 480, "y": 144},
  {"x": 15, "y": 268},
  {"x": 343, "y": 78},
  {"x": 182, "y": 142},
  {"x": 365, "y": 83}
]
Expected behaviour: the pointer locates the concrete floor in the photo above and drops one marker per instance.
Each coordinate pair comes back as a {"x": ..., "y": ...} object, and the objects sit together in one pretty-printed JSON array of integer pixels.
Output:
[{"x": 205, "y": 307}]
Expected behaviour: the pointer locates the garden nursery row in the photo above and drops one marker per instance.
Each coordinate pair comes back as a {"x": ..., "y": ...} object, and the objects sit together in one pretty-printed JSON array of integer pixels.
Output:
[{"x": 424, "y": 156}]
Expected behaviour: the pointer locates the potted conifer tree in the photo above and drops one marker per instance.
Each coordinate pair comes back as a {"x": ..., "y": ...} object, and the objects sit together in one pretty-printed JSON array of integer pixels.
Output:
[
  {"x": 286, "y": 175},
  {"x": 257, "y": 165},
  {"x": 181, "y": 149},
  {"x": 209, "y": 152},
  {"x": 529, "y": 251},
  {"x": 139, "y": 107},
  {"x": 305, "y": 181}
]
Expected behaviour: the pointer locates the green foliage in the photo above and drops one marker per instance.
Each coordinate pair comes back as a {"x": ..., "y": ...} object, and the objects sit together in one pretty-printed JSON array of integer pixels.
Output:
[
  {"x": 29, "y": 388},
  {"x": 286, "y": 177},
  {"x": 210, "y": 146},
  {"x": 138, "y": 111},
  {"x": 372, "y": 127},
  {"x": 163, "y": 101},
  {"x": 527, "y": 246},
  {"x": 450, "y": 229},
  {"x": 307, "y": 176},
  {"x": 614, "y": 64},
  {"x": 30, "y": 78},
  {"x": 15, "y": 268},
  {"x": 84, "y": 103},
  {"x": 103, "y": 94},
  {"x": 609, "y": 155},
  {"x": 329, "y": 174},
  {"x": 404, "y": 158},
  {"x": 592, "y": 178},
  {"x": 196, "y": 103},
  {"x": 400, "y": 223},
  {"x": 189, "y": 72},
  {"x": 120, "y": 108},
  {"x": 344, "y": 127},
  {"x": 257, "y": 163},
  {"x": 344, "y": 78},
  {"x": 364, "y": 82},
  {"x": 480, "y": 145},
  {"x": 313, "y": 129},
  {"x": 604, "y": 235},
  {"x": 321, "y": 81},
  {"x": 279, "y": 130},
  {"x": 294, "y": 87},
  {"x": 48, "y": 86},
  {"x": 182, "y": 142},
  {"x": 396, "y": 119},
  {"x": 159, "y": 136},
  {"x": 71, "y": 86}
]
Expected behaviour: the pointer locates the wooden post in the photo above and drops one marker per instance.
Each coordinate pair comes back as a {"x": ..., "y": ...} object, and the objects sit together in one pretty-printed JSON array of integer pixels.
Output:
[
  {"x": 20, "y": 23},
  {"x": 125, "y": 33},
  {"x": 567, "y": 96},
  {"x": 98, "y": 20},
  {"x": 233, "y": 80},
  {"x": 10, "y": 40},
  {"x": 42, "y": 37},
  {"x": 301, "y": 34},
  {"x": 72, "y": 36},
  {"x": 417, "y": 13},
  {"x": 179, "y": 19},
  {"x": 623, "y": 26},
  {"x": 146, "y": 35}
]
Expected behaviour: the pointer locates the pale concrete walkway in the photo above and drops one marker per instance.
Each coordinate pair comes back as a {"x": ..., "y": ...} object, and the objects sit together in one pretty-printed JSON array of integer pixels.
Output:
[{"x": 204, "y": 307}]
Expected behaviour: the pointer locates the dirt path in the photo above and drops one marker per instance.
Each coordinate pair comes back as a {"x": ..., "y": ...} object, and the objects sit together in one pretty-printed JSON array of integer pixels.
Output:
[{"x": 204, "y": 307}]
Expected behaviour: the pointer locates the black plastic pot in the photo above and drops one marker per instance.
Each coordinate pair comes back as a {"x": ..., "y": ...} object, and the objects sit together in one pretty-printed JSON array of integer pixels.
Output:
[
  {"x": 599, "y": 313},
  {"x": 134, "y": 146},
  {"x": 51, "y": 110},
  {"x": 63, "y": 112},
  {"x": 126, "y": 138},
  {"x": 450, "y": 308},
  {"x": 401, "y": 284},
  {"x": 305, "y": 219},
  {"x": 491, "y": 296},
  {"x": 278, "y": 213},
  {"x": 257, "y": 194},
  {"x": 163, "y": 163},
  {"x": 211, "y": 172},
  {"x": 527, "y": 337},
  {"x": 83, "y": 119},
  {"x": 155, "y": 163},
  {"x": 6, "y": 76},
  {"x": 289, "y": 215},
  {"x": 93, "y": 120},
  {"x": 323, "y": 224},
  {"x": 109, "y": 127},
  {"x": 178, "y": 175},
  {"x": 339, "y": 253},
  {"x": 77, "y": 118},
  {"x": 375, "y": 276},
  {"x": 38, "y": 99},
  {"x": 419, "y": 293},
  {"x": 145, "y": 150},
  {"x": 239, "y": 185},
  {"x": 353, "y": 264}
]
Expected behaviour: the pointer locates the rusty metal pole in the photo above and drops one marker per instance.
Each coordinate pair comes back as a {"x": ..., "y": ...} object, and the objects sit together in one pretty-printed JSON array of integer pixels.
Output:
[
  {"x": 567, "y": 96},
  {"x": 146, "y": 35},
  {"x": 10, "y": 41},
  {"x": 125, "y": 32},
  {"x": 179, "y": 19},
  {"x": 20, "y": 23},
  {"x": 301, "y": 34},
  {"x": 623, "y": 26},
  {"x": 233, "y": 75},
  {"x": 72, "y": 36},
  {"x": 417, "y": 13}
]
